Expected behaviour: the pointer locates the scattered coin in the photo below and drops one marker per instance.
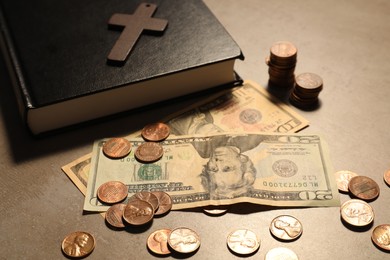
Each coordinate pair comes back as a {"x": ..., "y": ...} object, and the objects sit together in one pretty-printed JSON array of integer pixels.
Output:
[
  {"x": 138, "y": 212},
  {"x": 149, "y": 152},
  {"x": 386, "y": 177},
  {"x": 243, "y": 242},
  {"x": 363, "y": 187},
  {"x": 117, "y": 147},
  {"x": 78, "y": 244},
  {"x": 381, "y": 236},
  {"x": 281, "y": 253},
  {"x": 184, "y": 240},
  {"x": 343, "y": 178},
  {"x": 155, "y": 132},
  {"x": 114, "y": 215},
  {"x": 306, "y": 90},
  {"x": 165, "y": 202},
  {"x": 112, "y": 192},
  {"x": 158, "y": 242},
  {"x": 147, "y": 196},
  {"x": 286, "y": 227},
  {"x": 216, "y": 210},
  {"x": 357, "y": 212}
]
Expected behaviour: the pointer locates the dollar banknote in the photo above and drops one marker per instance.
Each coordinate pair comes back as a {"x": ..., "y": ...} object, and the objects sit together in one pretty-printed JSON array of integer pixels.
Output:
[{"x": 223, "y": 169}]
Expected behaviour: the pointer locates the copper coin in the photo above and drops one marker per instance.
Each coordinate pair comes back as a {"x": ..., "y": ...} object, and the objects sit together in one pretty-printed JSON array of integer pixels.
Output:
[
  {"x": 165, "y": 202},
  {"x": 78, "y": 244},
  {"x": 343, "y": 178},
  {"x": 149, "y": 152},
  {"x": 363, "y": 188},
  {"x": 283, "y": 49},
  {"x": 112, "y": 192},
  {"x": 117, "y": 147},
  {"x": 138, "y": 212},
  {"x": 357, "y": 212},
  {"x": 309, "y": 81},
  {"x": 243, "y": 242},
  {"x": 158, "y": 242},
  {"x": 114, "y": 215},
  {"x": 381, "y": 236},
  {"x": 386, "y": 177},
  {"x": 155, "y": 132},
  {"x": 147, "y": 196},
  {"x": 281, "y": 253},
  {"x": 286, "y": 227},
  {"x": 184, "y": 240}
]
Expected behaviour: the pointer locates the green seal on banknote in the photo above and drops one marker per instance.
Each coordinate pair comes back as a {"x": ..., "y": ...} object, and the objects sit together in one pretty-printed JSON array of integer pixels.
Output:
[{"x": 149, "y": 172}]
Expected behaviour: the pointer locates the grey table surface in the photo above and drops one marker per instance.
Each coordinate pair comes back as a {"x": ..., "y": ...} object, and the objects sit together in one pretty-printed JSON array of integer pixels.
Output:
[{"x": 346, "y": 42}]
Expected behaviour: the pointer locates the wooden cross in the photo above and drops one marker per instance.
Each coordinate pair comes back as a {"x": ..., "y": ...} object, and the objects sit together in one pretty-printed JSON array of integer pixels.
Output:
[{"x": 133, "y": 25}]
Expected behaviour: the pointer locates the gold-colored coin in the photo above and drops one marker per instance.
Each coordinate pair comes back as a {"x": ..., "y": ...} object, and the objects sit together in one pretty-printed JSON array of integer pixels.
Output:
[
  {"x": 114, "y": 215},
  {"x": 286, "y": 227},
  {"x": 158, "y": 242},
  {"x": 78, "y": 244},
  {"x": 155, "y": 132},
  {"x": 381, "y": 236},
  {"x": 117, "y": 147},
  {"x": 165, "y": 202},
  {"x": 138, "y": 212},
  {"x": 147, "y": 196},
  {"x": 357, "y": 212},
  {"x": 363, "y": 187},
  {"x": 281, "y": 253},
  {"x": 343, "y": 178},
  {"x": 149, "y": 152},
  {"x": 112, "y": 192},
  {"x": 243, "y": 242},
  {"x": 386, "y": 177},
  {"x": 184, "y": 240}
]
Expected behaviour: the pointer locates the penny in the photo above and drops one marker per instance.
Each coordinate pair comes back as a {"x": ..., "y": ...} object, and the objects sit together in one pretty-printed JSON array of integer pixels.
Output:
[
  {"x": 112, "y": 192},
  {"x": 381, "y": 236},
  {"x": 184, "y": 240},
  {"x": 216, "y": 210},
  {"x": 117, "y": 147},
  {"x": 243, "y": 242},
  {"x": 286, "y": 227},
  {"x": 114, "y": 215},
  {"x": 149, "y": 152},
  {"x": 357, "y": 212},
  {"x": 283, "y": 49},
  {"x": 78, "y": 244},
  {"x": 363, "y": 188},
  {"x": 157, "y": 242},
  {"x": 386, "y": 177},
  {"x": 138, "y": 212},
  {"x": 165, "y": 202},
  {"x": 147, "y": 196},
  {"x": 343, "y": 178},
  {"x": 309, "y": 82},
  {"x": 281, "y": 253},
  {"x": 155, "y": 132}
]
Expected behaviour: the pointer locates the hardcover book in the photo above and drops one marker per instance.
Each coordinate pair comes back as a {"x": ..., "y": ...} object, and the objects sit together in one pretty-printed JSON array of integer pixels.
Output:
[{"x": 72, "y": 61}]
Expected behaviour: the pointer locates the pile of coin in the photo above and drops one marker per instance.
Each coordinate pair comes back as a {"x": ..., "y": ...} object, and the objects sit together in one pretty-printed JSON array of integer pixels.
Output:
[
  {"x": 306, "y": 90},
  {"x": 281, "y": 64}
]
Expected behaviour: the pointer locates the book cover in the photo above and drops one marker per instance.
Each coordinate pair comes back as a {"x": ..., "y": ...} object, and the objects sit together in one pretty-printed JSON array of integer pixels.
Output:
[{"x": 58, "y": 56}]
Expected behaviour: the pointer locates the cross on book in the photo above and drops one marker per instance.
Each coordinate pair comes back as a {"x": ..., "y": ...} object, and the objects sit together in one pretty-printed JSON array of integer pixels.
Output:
[{"x": 133, "y": 26}]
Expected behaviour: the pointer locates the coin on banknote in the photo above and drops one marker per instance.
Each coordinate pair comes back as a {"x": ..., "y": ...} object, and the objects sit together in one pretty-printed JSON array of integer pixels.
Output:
[
  {"x": 281, "y": 253},
  {"x": 165, "y": 202},
  {"x": 184, "y": 240},
  {"x": 343, "y": 178},
  {"x": 363, "y": 187},
  {"x": 117, "y": 147},
  {"x": 155, "y": 132},
  {"x": 286, "y": 227},
  {"x": 386, "y": 177},
  {"x": 243, "y": 242},
  {"x": 138, "y": 212},
  {"x": 147, "y": 196},
  {"x": 149, "y": 152},
  {"x": 114, "y": 215},
  {"x": 157, "y": 242},
  {"x": 112, "y": 192},
  {"x": 357, "y": 212},
  {"x": 381, "y": 236},
  {"x": 78, "y": 244}
]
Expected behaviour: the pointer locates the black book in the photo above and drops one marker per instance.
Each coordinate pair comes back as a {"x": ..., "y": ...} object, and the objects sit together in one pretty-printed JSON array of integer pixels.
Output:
[{"x": 65, "y": 69}]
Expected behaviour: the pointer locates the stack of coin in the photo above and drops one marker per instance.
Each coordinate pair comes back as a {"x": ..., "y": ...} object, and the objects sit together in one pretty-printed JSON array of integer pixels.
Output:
[
  {"x": 281, "y": 63},
  {"x": 306, "y": 90}
]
